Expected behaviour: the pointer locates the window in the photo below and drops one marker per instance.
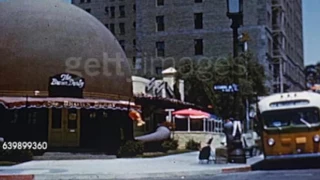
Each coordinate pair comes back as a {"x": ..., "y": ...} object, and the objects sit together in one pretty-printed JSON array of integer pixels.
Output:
[
  {"x": 106, "y": 9},
  {"x": 134, "y": 25},
  {"x": 198, "y": 47},
  {"x": 88, "y": 1},
  {"x": 81, "y": 1},
  {"x": 56, "y": 118},
  {"x": 160, "y": 49},
  {"x": 160, "y": 23},
  {"x": 196, "y": 125},
  {"x": 122, "y": 44},
  {"x": 112, "y": 29},
  {"x": 134, "y": 8},
  {"x": 158, "y": 70},
  {"x": 134, "y": 62},
  {"x": 122, "y": 28},
  {"x": 295, "y": 117},
  {"x": 122, "y": 11},
  {"x": 107, "y": 26},
  {"x": 198, "y": 24},
  {"x": 160, "y": 2},
  {"x": 198, "y": 1},
  {"x": 72, "y": 119},
  {"x": 134, "y": 43},
  {"x": 88, "y": 10},
  {"x": 112, "y": 9}
]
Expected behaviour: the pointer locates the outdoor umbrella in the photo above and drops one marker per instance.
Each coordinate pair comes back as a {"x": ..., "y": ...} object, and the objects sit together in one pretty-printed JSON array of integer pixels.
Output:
[{"x": 191, "y": 114}]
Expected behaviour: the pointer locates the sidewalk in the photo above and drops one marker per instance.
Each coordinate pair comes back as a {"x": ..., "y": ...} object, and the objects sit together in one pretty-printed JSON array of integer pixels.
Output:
[{"x": 133, "y": 168}]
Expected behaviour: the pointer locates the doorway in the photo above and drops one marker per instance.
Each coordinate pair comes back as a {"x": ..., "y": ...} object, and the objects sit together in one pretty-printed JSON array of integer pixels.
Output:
[{"x": 64, "y": 127}]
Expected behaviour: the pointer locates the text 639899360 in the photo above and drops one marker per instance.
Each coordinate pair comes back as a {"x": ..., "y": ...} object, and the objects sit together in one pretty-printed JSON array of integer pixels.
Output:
[{"x": 18, "y": 145}]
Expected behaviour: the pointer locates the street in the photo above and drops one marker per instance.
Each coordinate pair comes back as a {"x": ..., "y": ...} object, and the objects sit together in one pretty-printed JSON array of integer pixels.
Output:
[
  {"x": 312, "y": 174},
  {"x": 304, "y": 169}
]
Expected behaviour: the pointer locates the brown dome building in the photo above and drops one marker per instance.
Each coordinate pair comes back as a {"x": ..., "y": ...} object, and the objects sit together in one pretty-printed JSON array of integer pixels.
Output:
[{"x": 68, "y": 70}]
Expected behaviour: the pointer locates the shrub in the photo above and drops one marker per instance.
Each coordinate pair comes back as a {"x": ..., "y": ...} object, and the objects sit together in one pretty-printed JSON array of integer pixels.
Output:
[
  {"x": 192, "y": 145},
  {"x": 131, "y": 149},
  {"x": 169, "y": 145},
  {"x": 16, "y": 155},
  {"x": 153, "y": 146}
]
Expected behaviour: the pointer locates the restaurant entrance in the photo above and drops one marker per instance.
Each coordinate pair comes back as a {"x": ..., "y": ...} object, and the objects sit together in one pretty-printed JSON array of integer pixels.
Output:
[{"x": 64, "y": 127}]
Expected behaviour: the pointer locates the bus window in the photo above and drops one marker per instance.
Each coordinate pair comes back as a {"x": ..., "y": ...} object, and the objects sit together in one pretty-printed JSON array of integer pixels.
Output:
[
  {"x": 306, "y": 117},
  {"x": 281, "y": 118},
  {"x": 276, "y": 119}
]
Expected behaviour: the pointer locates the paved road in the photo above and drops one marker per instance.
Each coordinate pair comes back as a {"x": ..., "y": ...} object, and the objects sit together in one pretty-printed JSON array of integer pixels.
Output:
[
  {"x": 313, "y": 174},
  {"x": 304, "y": 169}
]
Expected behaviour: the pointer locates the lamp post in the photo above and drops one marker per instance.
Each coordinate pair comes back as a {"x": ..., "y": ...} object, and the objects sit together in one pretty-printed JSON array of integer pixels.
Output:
[
  {"x": 236, "y": 153},
  {"x": 235, "y": 13}
]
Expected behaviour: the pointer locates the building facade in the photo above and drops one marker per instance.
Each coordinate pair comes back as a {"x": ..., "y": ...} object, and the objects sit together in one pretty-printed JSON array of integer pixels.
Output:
[
  {"x": 51, "y": 95},
  {"x": 169, "y": 32},
  {"x": 119, "y": 17}
]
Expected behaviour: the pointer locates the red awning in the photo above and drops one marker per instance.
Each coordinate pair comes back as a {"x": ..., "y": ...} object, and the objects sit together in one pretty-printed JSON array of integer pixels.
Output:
[{"x": 50, "y": 102}]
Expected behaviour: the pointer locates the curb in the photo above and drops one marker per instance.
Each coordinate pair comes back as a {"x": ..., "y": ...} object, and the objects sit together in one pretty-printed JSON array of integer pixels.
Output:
[
  {"x": 178, "y": 174},
  {"x": 16, "y": 177},
  {"x": 238, "y": 169}
]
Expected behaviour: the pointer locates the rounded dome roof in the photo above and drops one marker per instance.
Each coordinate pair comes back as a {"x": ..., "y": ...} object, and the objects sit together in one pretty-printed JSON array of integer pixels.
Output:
[{"x": 43, "y": 38}]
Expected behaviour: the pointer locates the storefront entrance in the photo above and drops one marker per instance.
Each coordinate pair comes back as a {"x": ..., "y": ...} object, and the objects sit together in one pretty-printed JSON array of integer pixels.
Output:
[{"x": 64, "y": 127}]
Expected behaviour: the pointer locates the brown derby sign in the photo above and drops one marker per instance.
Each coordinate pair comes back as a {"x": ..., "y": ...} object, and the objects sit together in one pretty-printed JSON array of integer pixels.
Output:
[{"x": 66, "y": 85}]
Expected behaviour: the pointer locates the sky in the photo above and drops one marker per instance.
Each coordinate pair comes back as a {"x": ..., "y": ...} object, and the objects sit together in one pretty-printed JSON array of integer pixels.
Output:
[{"x": 311, "y": 29}]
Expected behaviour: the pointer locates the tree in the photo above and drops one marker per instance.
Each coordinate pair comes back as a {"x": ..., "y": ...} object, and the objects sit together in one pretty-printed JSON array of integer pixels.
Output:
[{"x": 201, "y": 76}]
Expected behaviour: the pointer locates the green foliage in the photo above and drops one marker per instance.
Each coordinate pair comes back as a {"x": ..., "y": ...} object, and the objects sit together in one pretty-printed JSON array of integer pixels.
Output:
[
  {"x": 131, "y": 149},
  {"x": 192, "y": 145},
  {"x": 170, "y": 145},
  {"x": 200, "y": 76}
]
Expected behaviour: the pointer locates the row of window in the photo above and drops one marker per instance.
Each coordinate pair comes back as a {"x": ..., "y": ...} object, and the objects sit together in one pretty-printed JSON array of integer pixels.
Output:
[
  {"x": 85, "y": 1},
  {"x": 198, "y": 48},
  {"x": 111, "y": 11},
  {"x": 161, "y": 2},
  {"x": 123, "y": 44},
  {"x": 160, "y": 47},
  {"x": 122, "y": 28},
  {"x": 89, "y": 1},
  {"x": 198, "y": 22}
]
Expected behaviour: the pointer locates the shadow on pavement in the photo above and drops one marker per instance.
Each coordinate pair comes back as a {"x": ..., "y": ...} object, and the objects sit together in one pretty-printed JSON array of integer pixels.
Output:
[{"x": 287, "y": 164}]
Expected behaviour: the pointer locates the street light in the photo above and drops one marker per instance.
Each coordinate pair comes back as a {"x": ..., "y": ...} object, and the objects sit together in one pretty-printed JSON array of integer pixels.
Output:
[
  {"x": 236, "y": 153},
  {"x": 235, "y": 13}
]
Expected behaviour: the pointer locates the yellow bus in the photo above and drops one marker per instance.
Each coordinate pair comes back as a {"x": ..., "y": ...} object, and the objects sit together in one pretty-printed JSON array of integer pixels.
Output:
[{"x": 290, "y": 125}]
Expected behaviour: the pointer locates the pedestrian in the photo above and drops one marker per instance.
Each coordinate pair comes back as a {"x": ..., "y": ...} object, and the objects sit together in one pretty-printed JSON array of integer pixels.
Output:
[
  {"x": 236, "y": 126},
  {"x": 228, "y": 129}
]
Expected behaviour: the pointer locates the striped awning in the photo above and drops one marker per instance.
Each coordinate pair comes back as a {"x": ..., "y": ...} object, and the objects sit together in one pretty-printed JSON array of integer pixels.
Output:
[{"x": 57, "y": 102}]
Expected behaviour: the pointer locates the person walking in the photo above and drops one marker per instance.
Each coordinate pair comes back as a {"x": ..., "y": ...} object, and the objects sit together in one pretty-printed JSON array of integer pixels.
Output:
[{"x": 236, "y": 126}]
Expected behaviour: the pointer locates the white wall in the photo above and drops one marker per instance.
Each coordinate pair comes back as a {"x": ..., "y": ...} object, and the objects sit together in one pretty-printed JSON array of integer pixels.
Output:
[{"x": 139, "y": 84}]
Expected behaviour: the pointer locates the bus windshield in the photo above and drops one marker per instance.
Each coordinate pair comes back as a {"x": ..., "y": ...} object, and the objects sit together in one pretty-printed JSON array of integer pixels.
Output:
[{"x": 281, "y": 118}]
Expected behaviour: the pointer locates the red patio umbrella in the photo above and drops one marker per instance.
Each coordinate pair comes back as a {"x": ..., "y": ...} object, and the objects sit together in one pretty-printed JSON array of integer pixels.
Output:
[{"x": 191, "y": 113}]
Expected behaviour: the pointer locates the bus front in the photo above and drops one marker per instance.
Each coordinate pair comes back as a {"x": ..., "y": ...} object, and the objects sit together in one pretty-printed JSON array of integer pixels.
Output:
[{"x": 291, "y": 129}]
